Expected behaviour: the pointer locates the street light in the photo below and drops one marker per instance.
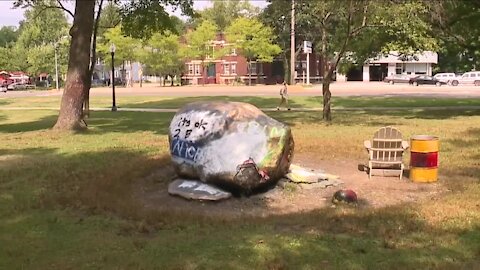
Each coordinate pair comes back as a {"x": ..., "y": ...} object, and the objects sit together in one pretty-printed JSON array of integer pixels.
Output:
[
  {"x": 56, "y": 61},
  {"x": 112, "y": 79}
]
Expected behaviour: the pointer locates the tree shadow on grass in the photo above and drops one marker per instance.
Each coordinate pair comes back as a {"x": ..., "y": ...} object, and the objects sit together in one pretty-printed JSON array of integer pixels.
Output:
[
  {"x": 466, "y": 146},
  {"x": 45, "y": 122},
  {"x": 4, "y": 102},
  {"x": 430, "y": 114},
  {"x": 178, "y": 102},
  {"x": 129, "y": 122},
  {"x": 97, "y": 189}
]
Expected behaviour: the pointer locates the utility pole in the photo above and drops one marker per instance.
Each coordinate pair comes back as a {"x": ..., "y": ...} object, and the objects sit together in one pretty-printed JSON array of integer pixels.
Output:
[
  {"x": 292, "y": 46},
  {"x": 56, "y": 68}
]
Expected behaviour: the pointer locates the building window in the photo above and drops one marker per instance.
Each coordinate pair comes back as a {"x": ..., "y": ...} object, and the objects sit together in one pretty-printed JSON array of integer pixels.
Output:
[
  {"x": 233, "y": 68},
  {"x": 197, "y": 69},
  {"x": 226, "y": 69},
  {"x": 190, "y": 69},
  {"x": 399, "y": 68},
  {"x": 234, "y": 51},
  {"x": 253, "y": 68}
]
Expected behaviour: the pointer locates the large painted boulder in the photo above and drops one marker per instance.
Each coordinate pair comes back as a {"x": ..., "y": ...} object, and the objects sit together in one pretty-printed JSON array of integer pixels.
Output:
[{"x": 230, "y": 144}]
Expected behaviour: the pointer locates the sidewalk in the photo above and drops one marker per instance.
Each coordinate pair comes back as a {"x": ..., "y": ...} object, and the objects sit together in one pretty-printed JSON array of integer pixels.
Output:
[{"x": 120, "y": 109}]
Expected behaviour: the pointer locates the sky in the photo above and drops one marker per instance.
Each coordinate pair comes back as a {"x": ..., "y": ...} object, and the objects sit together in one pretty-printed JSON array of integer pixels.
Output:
[{"x": 10, "y": 16}]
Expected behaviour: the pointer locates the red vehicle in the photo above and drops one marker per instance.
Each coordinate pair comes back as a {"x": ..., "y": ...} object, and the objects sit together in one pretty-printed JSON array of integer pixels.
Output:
[{"x": 5, "y": 81}]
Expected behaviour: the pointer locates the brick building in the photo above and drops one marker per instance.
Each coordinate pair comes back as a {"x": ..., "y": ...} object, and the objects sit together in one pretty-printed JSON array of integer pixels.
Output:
[{"x": 233, "y": 68}]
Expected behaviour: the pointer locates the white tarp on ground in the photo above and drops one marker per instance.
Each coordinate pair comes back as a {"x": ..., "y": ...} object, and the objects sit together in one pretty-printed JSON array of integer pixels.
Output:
[{"x": 312, "y": 178}]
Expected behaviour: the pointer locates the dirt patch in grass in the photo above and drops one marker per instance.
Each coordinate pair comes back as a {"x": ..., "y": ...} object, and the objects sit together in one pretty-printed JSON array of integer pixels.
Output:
[{"x": 377, "y": 192}]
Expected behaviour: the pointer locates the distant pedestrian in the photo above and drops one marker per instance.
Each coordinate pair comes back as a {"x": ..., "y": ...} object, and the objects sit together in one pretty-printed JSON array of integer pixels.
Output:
[{"x": 284, "y": 96}]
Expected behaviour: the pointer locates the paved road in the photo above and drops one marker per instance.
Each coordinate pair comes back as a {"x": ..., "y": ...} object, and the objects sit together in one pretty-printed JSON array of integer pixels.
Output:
[{"x": 337, "y": 89}]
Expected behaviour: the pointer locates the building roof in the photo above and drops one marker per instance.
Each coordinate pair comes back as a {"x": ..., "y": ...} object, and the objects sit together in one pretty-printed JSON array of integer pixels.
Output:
[{"x": 395, "y": 57}]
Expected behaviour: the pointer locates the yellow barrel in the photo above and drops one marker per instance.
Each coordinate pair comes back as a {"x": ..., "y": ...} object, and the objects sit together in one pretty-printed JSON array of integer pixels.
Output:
[{"x": 424, "y": 158}]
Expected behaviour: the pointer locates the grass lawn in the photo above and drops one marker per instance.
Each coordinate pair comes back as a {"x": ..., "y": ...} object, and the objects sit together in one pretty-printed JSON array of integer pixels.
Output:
[
  {"x": 262, "y": 102},
  {"x": 67, "y": 202}
]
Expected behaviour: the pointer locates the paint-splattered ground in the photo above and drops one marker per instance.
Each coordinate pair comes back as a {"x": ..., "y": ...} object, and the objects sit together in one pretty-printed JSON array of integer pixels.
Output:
[{"x": 376, "y": 192}]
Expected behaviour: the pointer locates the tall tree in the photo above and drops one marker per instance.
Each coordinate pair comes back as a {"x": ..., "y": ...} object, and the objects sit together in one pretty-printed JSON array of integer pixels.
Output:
[
  {"x": 222, "y": 13},
  {"x": 127, "y": 47},
  {"x": 140, "y": 19},
  {"x": 200, "y": 46},
  {"x": 43, "y": 31},
  {"x": 277, "y": 15},
  {"x": 109, "y": 18},
  {"x": 457, "y": 24},
  {"x": 8, "y": 36},
  {"x": 71, "y": 108},
  {"x": 163, "y": 56},
  {"x": 341, "y": 27},
  {"x": 254, "y": 40}
]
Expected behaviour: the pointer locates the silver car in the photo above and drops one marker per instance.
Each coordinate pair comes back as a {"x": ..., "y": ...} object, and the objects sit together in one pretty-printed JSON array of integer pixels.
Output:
[
  {"x": 471, "y": 77},
  {"x": 445, "y": 77}
]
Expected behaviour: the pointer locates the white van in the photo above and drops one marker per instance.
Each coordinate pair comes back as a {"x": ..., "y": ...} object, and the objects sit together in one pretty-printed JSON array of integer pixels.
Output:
[
  {"x": 445, "y": 77},
  {"x": 471, "y": 77}
]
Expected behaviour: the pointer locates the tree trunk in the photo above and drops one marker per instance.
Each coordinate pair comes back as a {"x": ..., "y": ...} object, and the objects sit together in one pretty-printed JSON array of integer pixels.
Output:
[
  {"x": 327, "y": 114},
  {"x": 76, "y": 86},
  {"x": 93, "y": 60},
  {"x": 327, "y": 78}
]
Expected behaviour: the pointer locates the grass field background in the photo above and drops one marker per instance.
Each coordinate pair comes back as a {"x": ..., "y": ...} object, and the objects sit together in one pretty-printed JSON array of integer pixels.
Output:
[{"x": 66, "y": 199}]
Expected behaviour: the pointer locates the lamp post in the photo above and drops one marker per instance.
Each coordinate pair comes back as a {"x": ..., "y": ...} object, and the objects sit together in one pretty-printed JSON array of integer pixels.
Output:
[
  {"x": 56, "y": 67},
  {"x": 112, "y": 78},
  {"x": 292, "y": 45},
  {"x": 55, "y": 47}
]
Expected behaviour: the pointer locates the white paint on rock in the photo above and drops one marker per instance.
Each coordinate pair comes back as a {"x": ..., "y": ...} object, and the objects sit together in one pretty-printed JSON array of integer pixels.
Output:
[
  {"x": 188, "y": 184},
  {"x": 198, "y": 124},
  {"x": 231, "y": 150}
]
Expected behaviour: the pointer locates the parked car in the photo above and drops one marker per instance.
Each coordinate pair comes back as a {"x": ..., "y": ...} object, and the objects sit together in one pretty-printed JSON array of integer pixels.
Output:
[
  {"x": 424, "y": 79},
  {"x": 118, "y": 81},
  {"x": 99, "y": 82},
  {"x": 471, "y": 77},
  {"x": 445, "y": 77},
  {"x": 17, "y": 86},
  {"x": 397, "y": 78},
  {"x": 3, "y": 88}
]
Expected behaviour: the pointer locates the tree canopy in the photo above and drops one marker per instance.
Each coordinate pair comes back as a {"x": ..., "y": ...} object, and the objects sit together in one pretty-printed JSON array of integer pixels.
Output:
[
  {"x": 8, "y": 36},
  {"x": 253, "y": 39},
  {"x": 42, "y": 31},
  {"x": 352, "y": 31},
  {"x": 163, "y": 55},
  {"x": 457, "y": 25},
  {"x": 199, "y": 43},
  {"x": 223, "y": 13}
]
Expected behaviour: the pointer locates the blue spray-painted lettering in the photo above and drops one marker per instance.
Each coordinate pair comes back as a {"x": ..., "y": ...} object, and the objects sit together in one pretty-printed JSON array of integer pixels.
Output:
[{"x": 186, "y": 150}]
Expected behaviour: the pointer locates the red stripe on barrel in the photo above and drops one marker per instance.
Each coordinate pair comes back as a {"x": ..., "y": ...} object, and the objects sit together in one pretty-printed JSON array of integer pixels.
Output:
[{"x": 424, "y": 160}]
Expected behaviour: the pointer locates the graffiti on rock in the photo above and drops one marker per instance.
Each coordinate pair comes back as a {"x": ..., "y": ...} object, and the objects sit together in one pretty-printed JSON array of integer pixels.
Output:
[
  {"x": 194, "y": 126},
  {"x": 185, "y": 150}
]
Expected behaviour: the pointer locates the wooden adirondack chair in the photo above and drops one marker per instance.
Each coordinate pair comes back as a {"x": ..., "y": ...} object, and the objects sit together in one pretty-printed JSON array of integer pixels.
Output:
[{"x": 385, "y": 151}]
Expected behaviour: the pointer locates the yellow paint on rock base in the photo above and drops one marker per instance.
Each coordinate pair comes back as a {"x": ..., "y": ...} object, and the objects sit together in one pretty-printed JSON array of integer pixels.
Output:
[{"x": 423, "y": 175}]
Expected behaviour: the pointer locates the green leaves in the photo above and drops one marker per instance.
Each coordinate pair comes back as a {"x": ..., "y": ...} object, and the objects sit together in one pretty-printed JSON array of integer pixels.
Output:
[
  {"x": 42, "y": 30},
  {"x": 457, "y": 25},
  {"x": 199, "y": 41},
  {"x": 222, "y": 13},
  {"x": 143, "y": 18},
  {"x": 8, "y": 36},
  {"x": 253, "y": 39},
  {"x": 162, "y": 54},
  {"x": 126, "y": 47}
]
